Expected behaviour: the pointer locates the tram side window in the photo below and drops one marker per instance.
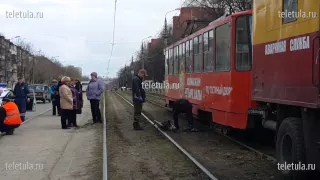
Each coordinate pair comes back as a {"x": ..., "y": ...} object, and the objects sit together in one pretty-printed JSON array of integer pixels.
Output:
[
  {"x": 289, "y": 6},
  {"x": 176, "y": 60},
  {"x": 189, "y": 57},
  {"x": 180, "y": 56},
  {"x": 208, "y": 51},
  {"x": 170, "y": 61},
  {"x": 166, "y": 62},
  {"x": 183, "y": 58},
  {"x": 243, "y": 55},
  {"x": 196, "y": 54},
  {"x": 223, "y": 38}
]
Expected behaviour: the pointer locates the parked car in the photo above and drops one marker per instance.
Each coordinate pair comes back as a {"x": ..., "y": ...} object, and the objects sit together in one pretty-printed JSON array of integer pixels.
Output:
[
  {"x": 41, "y": 92},
  {"x": 84, "y": 85},
  {"x": 7, "y": 92}
]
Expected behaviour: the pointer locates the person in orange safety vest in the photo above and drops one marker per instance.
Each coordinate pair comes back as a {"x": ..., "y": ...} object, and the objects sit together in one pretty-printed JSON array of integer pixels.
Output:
[{"x": 9, "y": 116}]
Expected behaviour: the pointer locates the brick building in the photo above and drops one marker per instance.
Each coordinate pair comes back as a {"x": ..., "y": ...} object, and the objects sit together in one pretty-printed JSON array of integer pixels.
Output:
[
  {"x": 190, "y": 20},
  {"x": 154, "y": 43}
]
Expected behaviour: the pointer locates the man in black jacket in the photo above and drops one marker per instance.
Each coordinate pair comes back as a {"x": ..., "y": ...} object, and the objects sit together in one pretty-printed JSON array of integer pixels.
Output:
[
  {"x": 182, "y": 106},
  {"x": 56, "y": 89},
  {"x": 21, "y": 92},
  {"x": 138, "y": 97}
]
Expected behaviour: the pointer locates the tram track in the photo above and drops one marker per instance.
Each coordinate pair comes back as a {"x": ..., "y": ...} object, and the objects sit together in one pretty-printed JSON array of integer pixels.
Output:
[
  {"x": 233, "y": 139},
  {"x": 190, "y": 157},
  {"x": 153, "y": 100}
]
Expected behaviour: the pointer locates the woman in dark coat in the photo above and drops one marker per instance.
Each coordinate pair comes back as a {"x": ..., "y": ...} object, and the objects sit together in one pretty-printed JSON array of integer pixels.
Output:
[
  {"x": 78, "y": 87},
  {"x": 76, "y": 105}
]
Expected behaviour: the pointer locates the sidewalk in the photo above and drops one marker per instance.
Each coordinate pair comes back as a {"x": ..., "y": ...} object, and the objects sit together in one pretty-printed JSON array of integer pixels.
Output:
[{"x": 45, "y": 151}]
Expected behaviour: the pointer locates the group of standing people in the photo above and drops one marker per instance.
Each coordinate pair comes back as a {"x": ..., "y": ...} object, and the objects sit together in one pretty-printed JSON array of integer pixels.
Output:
[{"x": 67, "y": 100}]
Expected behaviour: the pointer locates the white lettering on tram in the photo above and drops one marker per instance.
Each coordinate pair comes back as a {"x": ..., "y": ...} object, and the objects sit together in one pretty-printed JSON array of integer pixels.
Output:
[
  {"x": 193, "y": 82},
  {"x": 224, "y": 91},
  {"x": 274, "y": 48},
  {"x": 193, "y": 94},
  {"x": 300, "y": 43}
]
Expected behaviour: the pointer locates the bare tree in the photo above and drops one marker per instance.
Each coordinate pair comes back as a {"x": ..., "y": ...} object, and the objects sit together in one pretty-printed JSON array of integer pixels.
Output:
[{"x": 220, "y": 6}]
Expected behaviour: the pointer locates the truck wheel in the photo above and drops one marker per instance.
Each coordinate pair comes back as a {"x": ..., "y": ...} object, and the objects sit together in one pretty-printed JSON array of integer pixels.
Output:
[{"x": 290, "y": 146}]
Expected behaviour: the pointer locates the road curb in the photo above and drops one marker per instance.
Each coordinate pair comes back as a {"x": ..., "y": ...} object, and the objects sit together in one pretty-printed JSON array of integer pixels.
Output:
[
  {"x": 36, "y": 116},
  {"x": 105, "y": 161}
]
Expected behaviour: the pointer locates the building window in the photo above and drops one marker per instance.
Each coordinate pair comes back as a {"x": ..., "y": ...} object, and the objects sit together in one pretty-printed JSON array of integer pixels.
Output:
[
  {"x": 243, "y": 44},
  {"x": 223, "y": 38},
  {"x": 289, "y": 11},
  {"x": 189, "y": 57},
  {"x": 208, "y": 51}
]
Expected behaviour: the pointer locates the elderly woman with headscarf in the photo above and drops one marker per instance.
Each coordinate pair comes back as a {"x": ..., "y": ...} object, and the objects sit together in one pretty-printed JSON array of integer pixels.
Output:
[
  {"x": 66, "y": 101},
  {"x": 94, "y": 91}
]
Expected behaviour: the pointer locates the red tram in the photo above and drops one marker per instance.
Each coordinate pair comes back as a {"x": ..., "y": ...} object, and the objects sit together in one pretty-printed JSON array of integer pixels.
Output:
[
  {"x": 213, "y": 70},
  {"x": 264, "y": 73}
]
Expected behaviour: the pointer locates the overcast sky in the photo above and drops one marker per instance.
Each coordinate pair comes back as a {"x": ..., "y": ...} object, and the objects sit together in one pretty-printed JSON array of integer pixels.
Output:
[{"x": 80, "y": 31}]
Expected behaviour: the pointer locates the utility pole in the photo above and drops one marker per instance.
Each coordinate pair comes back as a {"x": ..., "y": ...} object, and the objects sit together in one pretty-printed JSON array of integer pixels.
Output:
[
  {"x": 5, "y": 60},
  {"x": 142, "y": 56},
  {"x": 32, "y": 68}
]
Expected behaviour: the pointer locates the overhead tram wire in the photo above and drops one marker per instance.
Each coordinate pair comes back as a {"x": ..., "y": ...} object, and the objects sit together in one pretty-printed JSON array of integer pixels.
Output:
[{"x": 113, "y": 34}]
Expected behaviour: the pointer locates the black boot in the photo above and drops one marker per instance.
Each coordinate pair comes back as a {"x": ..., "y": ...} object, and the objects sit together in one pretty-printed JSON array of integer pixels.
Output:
[
  {"x": 9, "y": 132},
  {"x": 136, "y": 126}
]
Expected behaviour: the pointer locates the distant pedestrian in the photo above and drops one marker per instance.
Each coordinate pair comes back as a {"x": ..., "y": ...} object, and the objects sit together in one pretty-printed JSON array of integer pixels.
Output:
[
  {"x": 66, "y": 102},
  {"x": 54, "y": 97},
  {"x": 21, "y": 92},
  {"x": 182, "y": 106},
  {"x": 94, "y": 92},
  {"x": 138, "y": 97}
]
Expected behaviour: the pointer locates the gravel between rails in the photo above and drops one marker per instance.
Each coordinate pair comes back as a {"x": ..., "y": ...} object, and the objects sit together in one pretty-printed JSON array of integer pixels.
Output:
[
  {"x": 142, "y": 155},
  {"x": 222, "y": 157}
]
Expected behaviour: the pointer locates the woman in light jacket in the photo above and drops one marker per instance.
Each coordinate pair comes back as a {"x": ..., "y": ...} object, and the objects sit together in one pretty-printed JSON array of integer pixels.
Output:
[
  {"x": 94, "y": 92},
  {"x": 66, "y": 101}
]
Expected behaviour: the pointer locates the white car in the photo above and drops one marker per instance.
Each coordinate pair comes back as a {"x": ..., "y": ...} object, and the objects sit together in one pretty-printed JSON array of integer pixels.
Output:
[{"x": 4, "y": 92}]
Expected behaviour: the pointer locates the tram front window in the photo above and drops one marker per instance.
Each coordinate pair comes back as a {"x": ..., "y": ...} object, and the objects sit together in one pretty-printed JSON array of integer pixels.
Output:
[{"x": 243, "y": 43}]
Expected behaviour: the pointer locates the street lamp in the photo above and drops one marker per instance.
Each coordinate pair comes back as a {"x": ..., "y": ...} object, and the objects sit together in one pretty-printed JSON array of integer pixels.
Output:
[
  {"x": 14, "y": 37},
  {"x": 172, "y": 11},
  {"x": 166, "y": 31}
]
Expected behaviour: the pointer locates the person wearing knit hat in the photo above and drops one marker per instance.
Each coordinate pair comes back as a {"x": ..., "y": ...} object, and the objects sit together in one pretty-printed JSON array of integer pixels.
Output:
[
  {"x": 56, "y": 89},
  {"x": 94, "y": 92},
  {"x": 94, "y": 74},
  {"x": 54, "y": 93}
]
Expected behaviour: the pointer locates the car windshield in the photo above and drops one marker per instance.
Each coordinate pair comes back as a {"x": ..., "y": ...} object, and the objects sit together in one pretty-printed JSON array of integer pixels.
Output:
[
  {"x": 3, "y": 92},
  {"x": 36, "y": 87}
]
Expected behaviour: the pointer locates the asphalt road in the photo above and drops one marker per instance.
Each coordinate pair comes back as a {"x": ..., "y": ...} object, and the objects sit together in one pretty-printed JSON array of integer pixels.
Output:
[
  {"x": 41, "y": 150},
  {"x": 40, "y": 109}
]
